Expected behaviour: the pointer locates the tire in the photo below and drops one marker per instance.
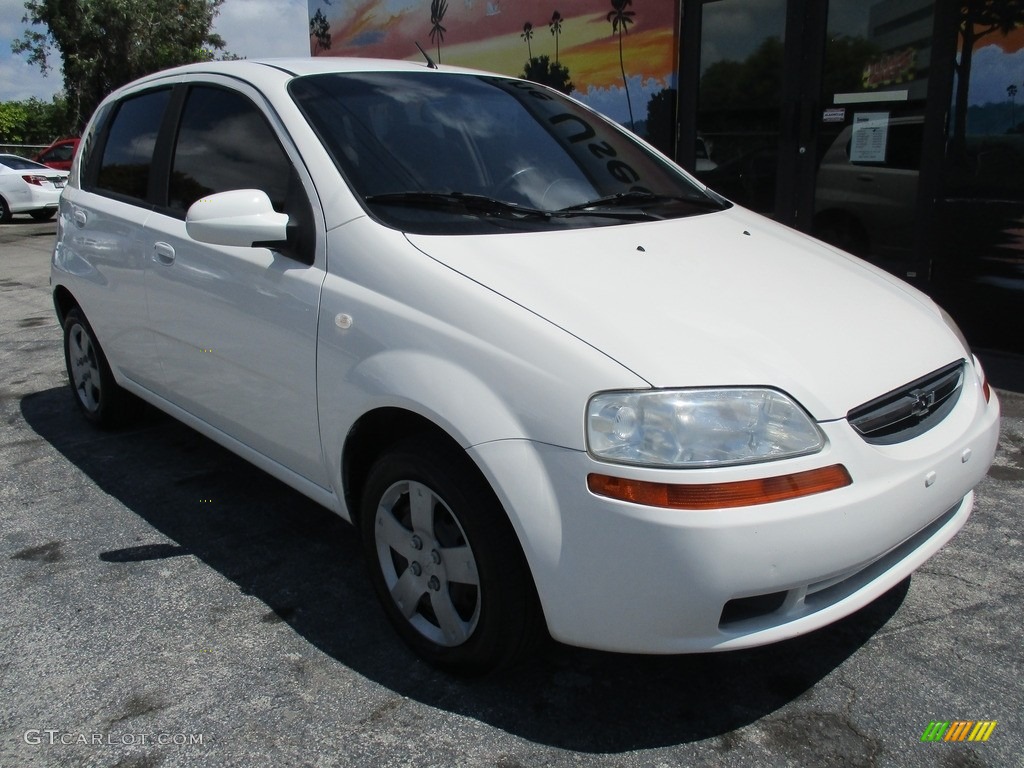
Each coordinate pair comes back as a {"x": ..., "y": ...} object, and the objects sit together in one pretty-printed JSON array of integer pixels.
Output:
[
  {"x": 44, "y": 214},
  {"x": 445, "y": 562},
  {"x": 5, "y": 212},
  {"x": 97, "y": 395}
]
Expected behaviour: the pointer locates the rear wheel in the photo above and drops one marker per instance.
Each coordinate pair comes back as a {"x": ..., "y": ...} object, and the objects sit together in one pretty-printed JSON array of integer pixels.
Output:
[
  {"x": 444, "y": 560},
  {"x": 5, "y": 211},
  {"x": 96, "y": 393}
]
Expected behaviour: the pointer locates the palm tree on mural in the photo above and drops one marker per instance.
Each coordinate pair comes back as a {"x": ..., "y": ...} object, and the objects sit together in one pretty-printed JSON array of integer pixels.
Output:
[
  {"x": 528, "y": 36},
  {"x": 621, "y": 19},
  {"x": 1011, "y": 91},
  {"x": 438, "y": 8},
  {"x": 556, "y": 29}
]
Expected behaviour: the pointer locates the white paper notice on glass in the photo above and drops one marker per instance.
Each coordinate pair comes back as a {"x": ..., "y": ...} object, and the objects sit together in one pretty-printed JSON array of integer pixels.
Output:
[{"x": 870, "y": 135}]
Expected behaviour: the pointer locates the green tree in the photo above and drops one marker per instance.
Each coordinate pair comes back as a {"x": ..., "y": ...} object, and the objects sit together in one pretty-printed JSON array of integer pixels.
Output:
[
  {"x": 13, "y": 117},
  {"x": 320, "y": 31},
  {"x": 620, "y": 19},
  {"x": 104, "y": 44},
  {"x": 754, "y": 83},
  {"x": 33, "y": 121},
  {"x": 661, "y": 120},
  {"x": 846, "y": 56},
  {"x": 550, "y": 73}
]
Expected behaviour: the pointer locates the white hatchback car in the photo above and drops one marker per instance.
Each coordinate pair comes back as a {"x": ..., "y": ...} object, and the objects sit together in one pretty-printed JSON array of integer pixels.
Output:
[
  {"x": 28, "y": 187},
  {"x": 556, "y": 383}
]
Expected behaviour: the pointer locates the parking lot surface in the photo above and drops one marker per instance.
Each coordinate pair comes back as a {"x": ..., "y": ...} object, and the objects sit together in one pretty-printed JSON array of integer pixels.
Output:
[{"x": 165, "y": 604}]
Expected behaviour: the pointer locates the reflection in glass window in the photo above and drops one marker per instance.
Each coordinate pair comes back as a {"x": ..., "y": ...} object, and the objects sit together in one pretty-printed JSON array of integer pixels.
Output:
[
  {"x": 225, "y": 143},
  {"x": 986, "y": 135},
  {"x": 128, "y": 152}
]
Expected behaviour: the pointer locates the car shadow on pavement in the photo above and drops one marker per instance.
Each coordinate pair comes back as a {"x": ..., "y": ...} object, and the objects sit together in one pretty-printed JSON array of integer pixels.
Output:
[{"x": 305, "y": 565}]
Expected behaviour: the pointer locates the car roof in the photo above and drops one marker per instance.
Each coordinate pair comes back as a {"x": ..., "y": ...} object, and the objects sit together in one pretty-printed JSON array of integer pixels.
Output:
[{"x": 257, "y": 71}]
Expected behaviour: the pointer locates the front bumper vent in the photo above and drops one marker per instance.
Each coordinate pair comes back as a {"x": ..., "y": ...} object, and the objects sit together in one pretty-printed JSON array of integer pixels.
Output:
[{"x": 912, "y": 409}]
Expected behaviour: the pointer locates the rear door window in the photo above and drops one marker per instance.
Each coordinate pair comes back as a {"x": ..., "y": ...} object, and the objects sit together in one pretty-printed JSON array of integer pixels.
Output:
[{"x": 124, "y": 169}]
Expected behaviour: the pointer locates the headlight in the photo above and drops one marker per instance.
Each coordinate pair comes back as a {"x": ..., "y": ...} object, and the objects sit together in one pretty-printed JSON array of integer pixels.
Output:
[{"x": 699, "y": 427}]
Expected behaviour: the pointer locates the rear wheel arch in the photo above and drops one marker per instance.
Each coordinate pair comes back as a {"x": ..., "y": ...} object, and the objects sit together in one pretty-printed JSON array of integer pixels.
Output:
[{"x": 98, "y": 396}]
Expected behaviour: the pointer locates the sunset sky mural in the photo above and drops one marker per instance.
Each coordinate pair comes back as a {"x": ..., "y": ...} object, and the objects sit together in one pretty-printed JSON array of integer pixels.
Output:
[{"x": 489, "y": 34}]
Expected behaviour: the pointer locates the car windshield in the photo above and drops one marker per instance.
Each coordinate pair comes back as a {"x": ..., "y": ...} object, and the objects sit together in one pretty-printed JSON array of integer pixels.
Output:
[
  {"x": 450, "y": 153},
  {"x": 16, "y": 163}
]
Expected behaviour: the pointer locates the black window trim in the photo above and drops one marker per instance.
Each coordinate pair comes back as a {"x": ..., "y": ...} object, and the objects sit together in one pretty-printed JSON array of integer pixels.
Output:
[
  {"x": 163, "y": 153},
  {"x": 90, "y": 174}
]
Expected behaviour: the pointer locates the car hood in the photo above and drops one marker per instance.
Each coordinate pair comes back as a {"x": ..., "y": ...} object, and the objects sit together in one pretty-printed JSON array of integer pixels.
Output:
[{"x": 722, "y": 299}]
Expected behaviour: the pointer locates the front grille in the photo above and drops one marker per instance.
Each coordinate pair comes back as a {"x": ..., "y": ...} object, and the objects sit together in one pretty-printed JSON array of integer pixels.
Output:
[{"x": 912, "y": 409}]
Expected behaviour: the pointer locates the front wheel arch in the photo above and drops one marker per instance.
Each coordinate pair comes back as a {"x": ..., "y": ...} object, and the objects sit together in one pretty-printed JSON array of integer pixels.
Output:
[{"x": 373, "y": 435}]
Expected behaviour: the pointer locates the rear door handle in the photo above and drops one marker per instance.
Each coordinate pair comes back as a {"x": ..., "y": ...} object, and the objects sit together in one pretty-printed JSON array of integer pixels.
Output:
[
  {"x": 163, "y": 253},
  {"x": 80, "y": 218}
]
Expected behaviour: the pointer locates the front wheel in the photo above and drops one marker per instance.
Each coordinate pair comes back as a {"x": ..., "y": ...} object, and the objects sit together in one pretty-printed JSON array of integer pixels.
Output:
[{"x": 444, "y": 560}]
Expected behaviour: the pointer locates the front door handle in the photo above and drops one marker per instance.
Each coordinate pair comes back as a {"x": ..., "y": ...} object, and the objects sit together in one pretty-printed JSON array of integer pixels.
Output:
[{"x": 163, "y": 253}]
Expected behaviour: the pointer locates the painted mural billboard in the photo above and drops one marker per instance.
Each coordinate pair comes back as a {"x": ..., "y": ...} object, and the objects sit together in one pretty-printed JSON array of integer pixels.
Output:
[{"x": 614, "y": 55}]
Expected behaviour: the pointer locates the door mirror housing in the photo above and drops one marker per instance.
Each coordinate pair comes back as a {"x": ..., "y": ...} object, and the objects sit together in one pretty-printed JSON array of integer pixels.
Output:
[{"x": 241, "y": 217}]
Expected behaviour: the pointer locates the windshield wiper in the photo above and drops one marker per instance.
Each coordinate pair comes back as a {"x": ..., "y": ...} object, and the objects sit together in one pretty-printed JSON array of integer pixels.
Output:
[
  {"x": 638, "y": 198},
  {"x": 461, "y": 200},
  {"x": 482, "y": 204}
]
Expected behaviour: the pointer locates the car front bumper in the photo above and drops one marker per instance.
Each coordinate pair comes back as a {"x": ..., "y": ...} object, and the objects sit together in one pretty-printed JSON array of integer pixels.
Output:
[{"x": 624, "y": 577}]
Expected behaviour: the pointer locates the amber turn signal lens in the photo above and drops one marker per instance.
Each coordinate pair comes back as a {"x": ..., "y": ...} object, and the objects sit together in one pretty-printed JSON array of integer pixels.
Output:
[{"x": 743, "y": 493}]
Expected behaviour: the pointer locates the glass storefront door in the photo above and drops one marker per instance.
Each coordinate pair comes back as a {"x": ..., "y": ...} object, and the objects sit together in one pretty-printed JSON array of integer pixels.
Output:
[
  {"x": 817, "y": 120},
  {"x": 870, "y": 137},
  {"x": 740, "y": 99},
  {"x": 892, "y": 128}
]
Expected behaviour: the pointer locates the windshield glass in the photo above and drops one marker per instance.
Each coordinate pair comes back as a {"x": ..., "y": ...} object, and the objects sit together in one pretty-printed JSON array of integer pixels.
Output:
[{"x": 436, "y": 152}]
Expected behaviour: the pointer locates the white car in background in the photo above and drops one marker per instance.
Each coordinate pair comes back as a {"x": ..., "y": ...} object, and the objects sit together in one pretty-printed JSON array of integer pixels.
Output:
[
  {"x": 28, "y": 187},
  {"x": 555, "y": 382}
]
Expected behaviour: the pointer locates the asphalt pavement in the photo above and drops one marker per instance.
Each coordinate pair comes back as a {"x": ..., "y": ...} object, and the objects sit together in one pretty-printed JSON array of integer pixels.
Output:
[{"x": 162, "y": 603}]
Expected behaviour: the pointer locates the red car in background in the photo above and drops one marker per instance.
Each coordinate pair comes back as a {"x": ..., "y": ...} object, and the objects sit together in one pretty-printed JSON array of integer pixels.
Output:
[{"x": 59, "y": 154}]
